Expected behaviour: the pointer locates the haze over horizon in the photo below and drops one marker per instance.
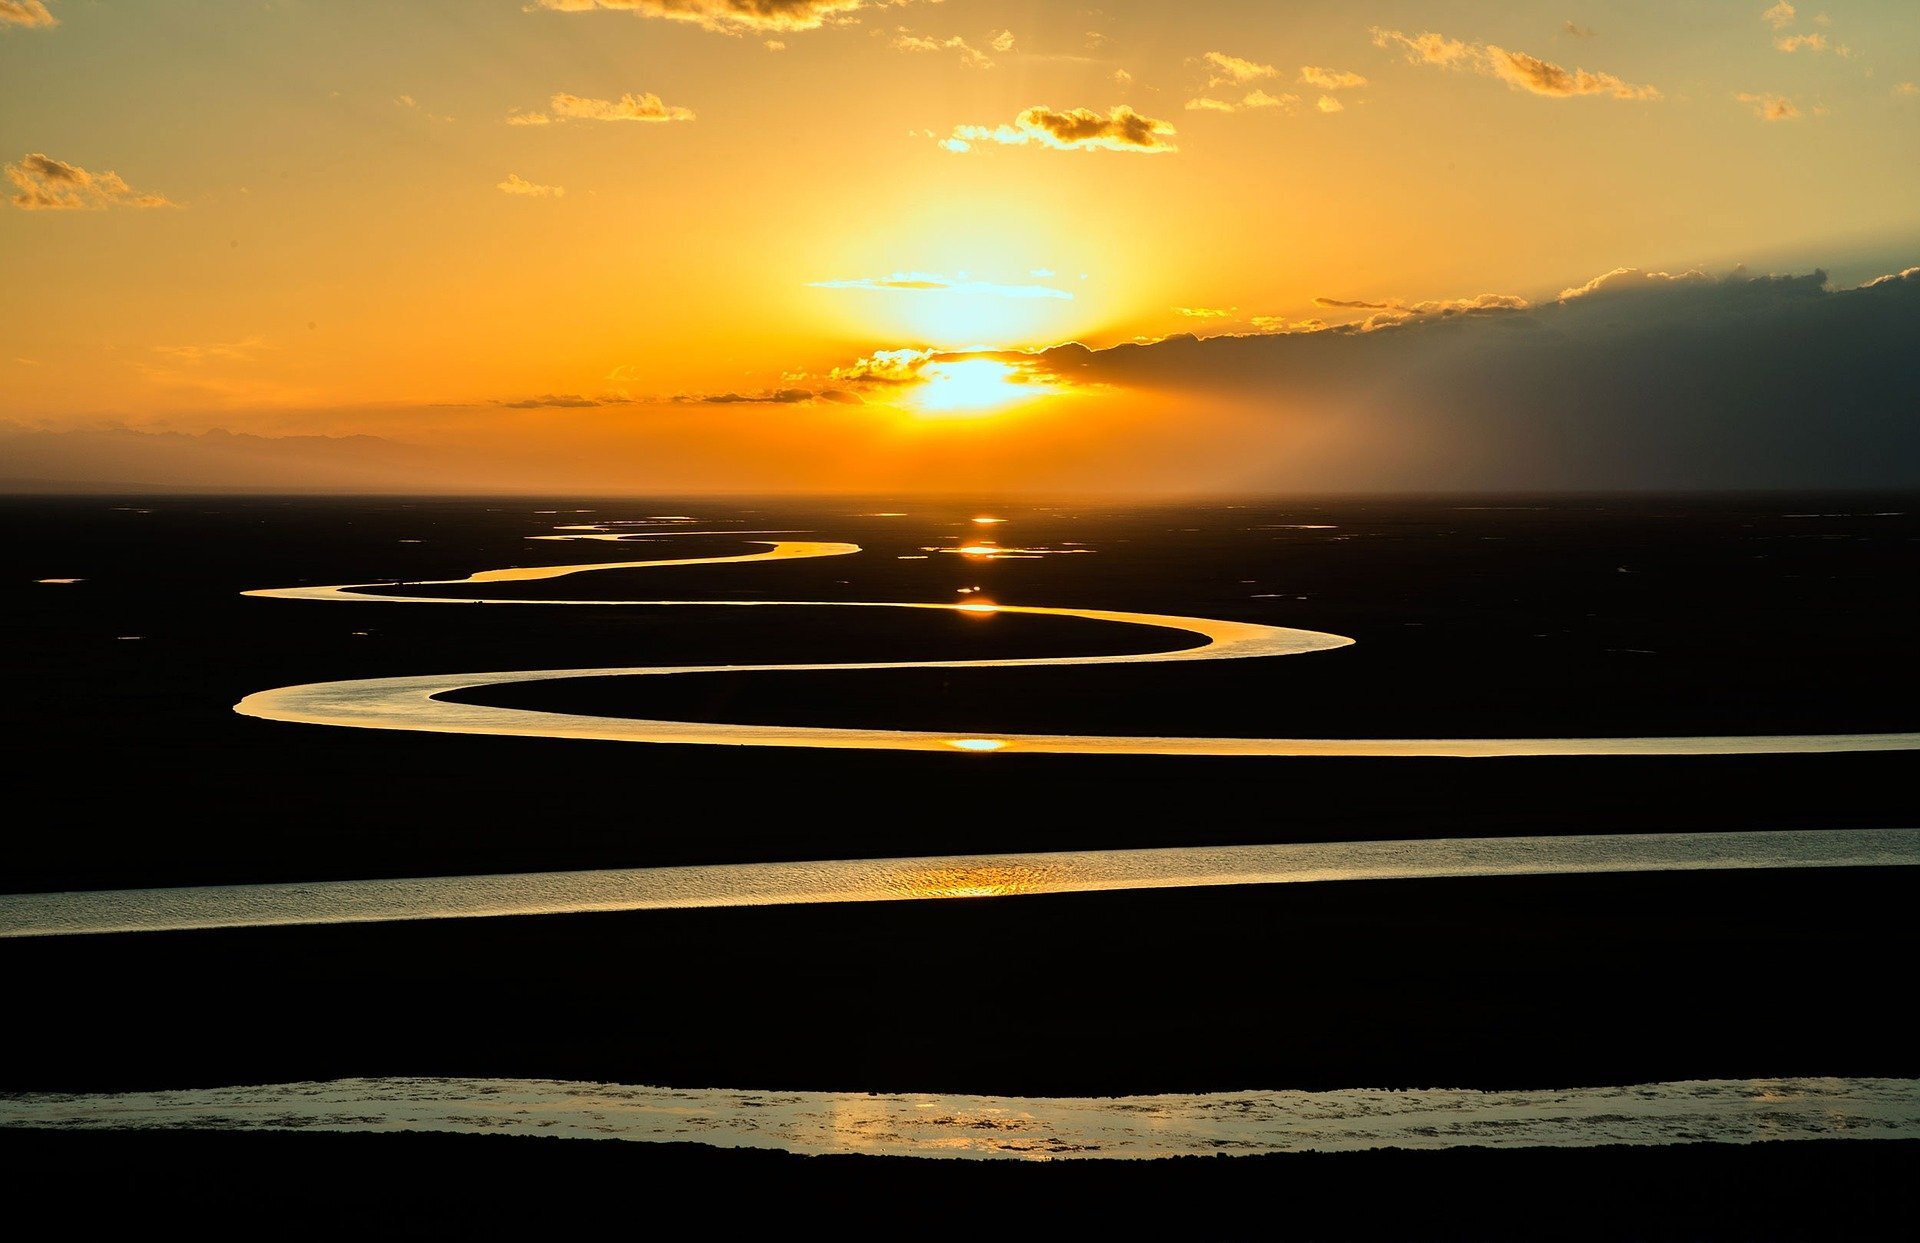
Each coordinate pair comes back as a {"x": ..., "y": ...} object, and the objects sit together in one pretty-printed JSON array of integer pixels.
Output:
[{"x": 908, "y": 246}]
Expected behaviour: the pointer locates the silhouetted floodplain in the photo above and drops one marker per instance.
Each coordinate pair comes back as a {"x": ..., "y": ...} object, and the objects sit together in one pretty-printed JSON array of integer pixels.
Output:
[{"x": 1501, "y": 617}]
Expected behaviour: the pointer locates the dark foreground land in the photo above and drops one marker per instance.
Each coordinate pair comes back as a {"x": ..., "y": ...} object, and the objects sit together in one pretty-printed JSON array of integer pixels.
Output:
[
  {"x": 1520, "y": 983},
  {"x": 1731, "y": 615},
  {"x": 310, "y": 1185}
]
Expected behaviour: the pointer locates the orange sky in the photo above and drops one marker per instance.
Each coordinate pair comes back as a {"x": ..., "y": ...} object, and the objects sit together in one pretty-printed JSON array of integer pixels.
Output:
[{"x": 537, "y": 241}]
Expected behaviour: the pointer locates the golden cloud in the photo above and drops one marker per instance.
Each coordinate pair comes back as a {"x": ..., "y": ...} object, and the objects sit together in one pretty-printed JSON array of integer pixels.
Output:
[
  {"x": 1771, "y": 107},
  {"x": 1076, "y": 129},
  {"x": 1546, "y": 78},
  {"x": 1252, "y": 99},
  {"x": 26, "y": 13},
  {"x": 1517, "y": 69},
  {"x": 1430, "y": 48},
  {"x": 646, "y": 107},
  {"x": 1330, "y": 79},
  {"x": 1225, "y": 70},
  {"x": 43, "y": 183},
  {"x": 970, "y": 56},
  {"x": 516, "y": 184},
  {"x": 724, "y": 16}
]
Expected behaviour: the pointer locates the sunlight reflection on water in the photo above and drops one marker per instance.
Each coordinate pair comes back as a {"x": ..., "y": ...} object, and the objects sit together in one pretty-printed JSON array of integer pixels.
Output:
[
  {"x": 1032, "y": 1128},
  {"x": 883, "y": 880}
]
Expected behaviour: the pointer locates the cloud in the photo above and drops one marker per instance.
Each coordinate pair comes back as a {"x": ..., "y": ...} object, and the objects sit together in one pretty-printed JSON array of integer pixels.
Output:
[
  {"x": 1077, "y": 129},
  {"x": 1627, "y": 280},
  {"x": 884, "y": 367},
  {"x": 1546, "y": 78},
  {"x": 1578, "y": 31},
  {"x": 1205, "y": 312},
  {"x": 1634, "y": 380},
  {"x": 1428, "y": 48},
  {"x": 1330, "y": 79},
  {"x": 1225, "y": 70},
  {"x": 26, "y": 13},
  {"x": 563, "y": 401},
  {"x": 1906, "y": 274},
  {"x": 412, "y": 104},
  {"x": 1274, "y": 324},
  {"x": 1815, "y": 42},
  {"x": 1328, "y": 103},
  {"x": 1436, "y": 306},
  {"x": 42, "y": 183},
  {"x": 516, "y": 184},
  {"x": 970, "y": 56},
  {"x": 646, "y": 107},
  {"x": 730, "y": 17},
  {"x": 1251, "y": 100},
  {"x": 773, "y": 397},
  {"x": 1771, "y": 107},
  {"x": 1779, "y": 16},
  {"x": 243, "y": 350},
  {"x": 1001, "y": 40},
  {"x": 931, "y": 282},
  {"x": 1517, "y": 69},
  {"x": 1906, "y": 88}
]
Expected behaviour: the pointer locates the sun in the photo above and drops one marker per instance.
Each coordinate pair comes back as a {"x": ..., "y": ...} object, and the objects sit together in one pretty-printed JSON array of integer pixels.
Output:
[{"x": 971, "y": 386}]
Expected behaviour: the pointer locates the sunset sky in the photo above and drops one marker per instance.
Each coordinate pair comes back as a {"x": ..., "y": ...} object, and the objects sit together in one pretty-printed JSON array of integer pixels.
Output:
[{"x": 797, "y": 244}]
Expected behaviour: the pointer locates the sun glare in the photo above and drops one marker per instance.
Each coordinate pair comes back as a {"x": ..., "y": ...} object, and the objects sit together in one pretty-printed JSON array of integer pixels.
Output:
[{"x": 971, "y": 386}]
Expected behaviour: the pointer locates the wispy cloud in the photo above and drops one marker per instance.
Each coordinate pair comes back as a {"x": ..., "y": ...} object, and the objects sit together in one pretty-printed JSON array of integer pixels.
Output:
[
  {"x": 413, "y": 105},
  {"x": 1399, "y": 308},
  {"x": 970, "y": 56},
  {"x": 1517, "y": 69},
  {"x": 1225, "y": 70},
  {"x": 1273, "y": 325},
  {"x": 1205, "y": 312},
  {"x": 1077, "y": 129},
  {"x": 1251, "y": 100},
  {"x": 42, "y": 183},
  {"x": 1327, "y": 103},
  {"x": 241, "y": 351},
  {"x": 1330, "y": 79},
  {"x": 516, "y": 184},
  {"x": 1578, "y": 31},
  {"x": 564, "y": 401},
  {"x": 930, "y": 282},
  {"x": 1780, "y": 16},
  {"x": 1908, "y": 89},
  {"x": 1428, "y": 48},
  {"x": 1815, "y": 42},
  {"x": 772, "y": 397},
  {"x": 566, "y": 107},
  {"x": 1771, "y": 107},
  {"x": 26, "y": 13},
  {"x": 730, "y": 17}
]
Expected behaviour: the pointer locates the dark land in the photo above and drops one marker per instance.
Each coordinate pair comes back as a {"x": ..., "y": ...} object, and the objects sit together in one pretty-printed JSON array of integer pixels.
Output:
[{"x": 1564, "y": 617}]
